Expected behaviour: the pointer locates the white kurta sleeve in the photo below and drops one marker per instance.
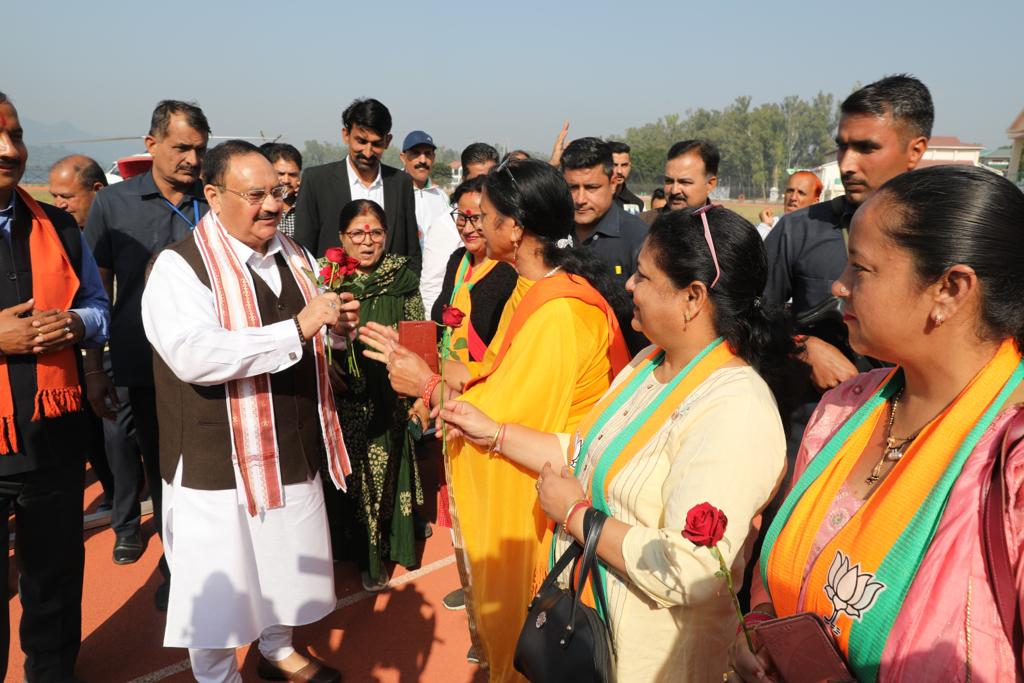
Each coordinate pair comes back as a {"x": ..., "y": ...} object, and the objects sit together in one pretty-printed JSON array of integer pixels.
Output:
[
  {"x": 735, "y": 468},
  {"x": 181, "y": 323}
]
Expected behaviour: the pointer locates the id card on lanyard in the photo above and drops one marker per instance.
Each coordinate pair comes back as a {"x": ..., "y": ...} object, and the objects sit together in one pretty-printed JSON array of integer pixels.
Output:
[{"x": 195, "y": 212}]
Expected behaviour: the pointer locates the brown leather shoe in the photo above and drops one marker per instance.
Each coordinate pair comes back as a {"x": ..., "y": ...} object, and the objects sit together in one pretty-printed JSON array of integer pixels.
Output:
[{"x": 314, "y": 672}]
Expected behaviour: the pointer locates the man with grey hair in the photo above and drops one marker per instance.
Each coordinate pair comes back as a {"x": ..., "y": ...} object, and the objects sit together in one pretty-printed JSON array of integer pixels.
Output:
[
  {"x": 74, "y": 182},
  {"x": 128, "y": 224}
]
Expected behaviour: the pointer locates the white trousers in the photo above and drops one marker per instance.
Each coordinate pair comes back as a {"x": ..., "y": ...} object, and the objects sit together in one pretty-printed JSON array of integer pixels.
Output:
[{"x": 221, "y": 666}]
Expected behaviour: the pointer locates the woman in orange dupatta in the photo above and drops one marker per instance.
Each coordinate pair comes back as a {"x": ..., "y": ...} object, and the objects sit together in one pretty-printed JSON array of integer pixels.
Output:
[
  {"x": 881, "y": 532},
  {"x": 556, "y": 350},
  {"x": 675, "y": 429}
]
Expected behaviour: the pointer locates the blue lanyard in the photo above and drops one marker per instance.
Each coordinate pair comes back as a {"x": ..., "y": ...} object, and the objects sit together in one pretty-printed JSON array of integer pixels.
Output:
[{"x": 195, "y": 212}]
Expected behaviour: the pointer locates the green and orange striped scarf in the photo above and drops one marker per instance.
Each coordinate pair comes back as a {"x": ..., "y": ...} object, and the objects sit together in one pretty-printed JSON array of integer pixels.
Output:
[{"x": 859, "y": 580}]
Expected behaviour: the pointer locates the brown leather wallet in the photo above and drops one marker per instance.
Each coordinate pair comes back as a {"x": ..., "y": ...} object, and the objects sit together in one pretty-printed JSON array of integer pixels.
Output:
[
  {"x": 420, "y": 337},
  {"x": 802, "y": 649}
]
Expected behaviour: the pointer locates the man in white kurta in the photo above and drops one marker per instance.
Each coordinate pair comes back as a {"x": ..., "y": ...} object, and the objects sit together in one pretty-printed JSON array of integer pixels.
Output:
[{"x": 246, "y": 415}]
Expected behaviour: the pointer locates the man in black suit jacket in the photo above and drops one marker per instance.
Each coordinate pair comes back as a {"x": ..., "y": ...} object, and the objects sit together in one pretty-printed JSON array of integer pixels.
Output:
[{"x": 327, "y": 189}]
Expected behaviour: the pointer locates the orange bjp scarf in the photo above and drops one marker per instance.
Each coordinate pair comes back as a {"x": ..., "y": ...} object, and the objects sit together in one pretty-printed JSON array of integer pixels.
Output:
[
  {"x": 54, "y": 284},
  {"x": 857, "y": 582}
]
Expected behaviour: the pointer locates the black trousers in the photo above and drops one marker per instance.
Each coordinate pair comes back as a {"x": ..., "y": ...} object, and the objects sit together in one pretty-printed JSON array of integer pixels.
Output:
[
  {"x": 124, "y": 458},
  {"x": 50, "y": 554},
  {"x": 143, "y": 402},
  {"x": 97, "y": 454}
]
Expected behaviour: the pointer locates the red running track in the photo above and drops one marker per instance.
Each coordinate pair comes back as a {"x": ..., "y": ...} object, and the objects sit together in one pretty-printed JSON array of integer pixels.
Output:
[{"x": 401, "y": 635}]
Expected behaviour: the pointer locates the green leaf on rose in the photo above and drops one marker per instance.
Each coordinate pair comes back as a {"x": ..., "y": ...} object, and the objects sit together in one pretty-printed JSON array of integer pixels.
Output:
[{"x": 460, "y": 343}]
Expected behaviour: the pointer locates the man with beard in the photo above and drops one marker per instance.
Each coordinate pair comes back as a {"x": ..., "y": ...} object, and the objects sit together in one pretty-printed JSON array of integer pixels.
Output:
[
  {"x": 367, "y": 132},
  {"x": 802, "y": 189},
  {"x": 691, "y": 174},
  {"x": 622, "y": 166},
  {"x": 130, "y": 222},
  {"x": 287, "y": 162}
]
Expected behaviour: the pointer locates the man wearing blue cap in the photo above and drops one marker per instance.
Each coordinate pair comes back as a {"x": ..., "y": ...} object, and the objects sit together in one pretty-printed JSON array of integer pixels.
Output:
[{"x": 437, "y": 232}]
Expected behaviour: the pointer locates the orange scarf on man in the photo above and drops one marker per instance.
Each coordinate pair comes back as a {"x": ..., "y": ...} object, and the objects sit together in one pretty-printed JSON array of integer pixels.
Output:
[{"x": 54, "y": 284}]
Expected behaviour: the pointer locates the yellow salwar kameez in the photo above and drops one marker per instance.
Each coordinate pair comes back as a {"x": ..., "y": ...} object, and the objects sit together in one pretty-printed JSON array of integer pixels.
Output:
[{"x": 556, "y": 368}]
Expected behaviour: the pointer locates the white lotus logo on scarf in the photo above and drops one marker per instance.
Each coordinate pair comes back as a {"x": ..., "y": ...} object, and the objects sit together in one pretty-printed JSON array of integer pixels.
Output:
[
  {"x": 850, "y": 591},
  {"x": 577, "y": 448}
]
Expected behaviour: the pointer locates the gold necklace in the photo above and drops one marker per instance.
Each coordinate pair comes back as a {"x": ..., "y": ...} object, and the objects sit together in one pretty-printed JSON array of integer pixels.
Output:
[{"x": 894, "y": 448}]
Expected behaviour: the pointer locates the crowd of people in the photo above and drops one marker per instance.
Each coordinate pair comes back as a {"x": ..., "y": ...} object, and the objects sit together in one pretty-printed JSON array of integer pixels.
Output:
[{"x": 842, "y": 382}]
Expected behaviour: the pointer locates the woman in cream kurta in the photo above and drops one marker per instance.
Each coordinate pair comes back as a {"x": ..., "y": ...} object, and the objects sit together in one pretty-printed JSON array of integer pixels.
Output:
[
  {"x": 672, "y": 618},
  {"x": 714, "y": 435}
]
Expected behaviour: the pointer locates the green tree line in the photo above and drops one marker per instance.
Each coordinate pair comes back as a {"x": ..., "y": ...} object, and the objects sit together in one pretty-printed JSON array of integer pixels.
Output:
[{"x": 758, "y": 144}]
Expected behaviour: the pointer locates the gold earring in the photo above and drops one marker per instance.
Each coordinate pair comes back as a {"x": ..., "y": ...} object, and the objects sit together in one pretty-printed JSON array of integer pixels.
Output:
[
  {"x": 515, "y": 252},
  {"x": 686, "y": 317},
  {"x": 938, "y": 319}
]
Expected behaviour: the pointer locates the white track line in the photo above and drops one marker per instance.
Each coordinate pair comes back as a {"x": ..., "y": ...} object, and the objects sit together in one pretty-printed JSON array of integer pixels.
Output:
[{"x": 344, "y": 602}]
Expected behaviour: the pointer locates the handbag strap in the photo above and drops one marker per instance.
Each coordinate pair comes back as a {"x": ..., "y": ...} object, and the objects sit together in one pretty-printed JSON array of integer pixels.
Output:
[
  {"x": 596, "y": 585},
  {"x": 593, "y": 523},
  {"x": 571, "y": 555},
  {"x": 993, "y": 540}
]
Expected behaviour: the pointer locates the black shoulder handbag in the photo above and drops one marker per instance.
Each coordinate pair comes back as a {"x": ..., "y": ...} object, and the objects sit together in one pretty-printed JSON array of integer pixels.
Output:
[{"x": 561, "y": 639}]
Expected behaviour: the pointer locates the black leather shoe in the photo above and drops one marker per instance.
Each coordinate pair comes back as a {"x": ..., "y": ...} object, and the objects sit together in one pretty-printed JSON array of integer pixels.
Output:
[
  {"x": 128, "y": 549},
  {"x": 314, "y": 672}
]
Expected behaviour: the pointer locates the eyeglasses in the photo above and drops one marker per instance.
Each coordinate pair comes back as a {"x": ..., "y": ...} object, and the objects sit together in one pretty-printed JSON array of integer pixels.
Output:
[
  {"x": 463, "y": 218},
  {"x": 359, "y": 236},
  {"x": 504, "y": 166},
  {"x": 702, "y": 212},
  {"x": 257, "y": 197}
]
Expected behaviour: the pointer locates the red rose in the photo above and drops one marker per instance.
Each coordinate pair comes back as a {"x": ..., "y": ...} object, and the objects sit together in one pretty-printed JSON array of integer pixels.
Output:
[
  {"x": 325, "y": 274},
  {"x": 705, "y": 525},
  {"x": 335, "y": 255},
  {"x": 349, "y": 265},
  {"x": 451, "y": 316}
]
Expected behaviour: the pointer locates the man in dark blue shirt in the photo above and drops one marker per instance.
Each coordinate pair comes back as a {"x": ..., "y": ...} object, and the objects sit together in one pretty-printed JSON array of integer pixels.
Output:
[
  {"x": 883, "y": 131},
  {"x": 130, "y": 222},
  {"x": 602, "y": 226}
]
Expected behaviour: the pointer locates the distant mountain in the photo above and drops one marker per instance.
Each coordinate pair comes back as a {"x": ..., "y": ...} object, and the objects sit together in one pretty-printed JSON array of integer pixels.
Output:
[{"x": 42, "y": 152}]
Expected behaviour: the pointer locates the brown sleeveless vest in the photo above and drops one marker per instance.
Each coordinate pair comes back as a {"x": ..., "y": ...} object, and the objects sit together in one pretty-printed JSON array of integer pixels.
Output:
[{"x": 194, "y": 419}]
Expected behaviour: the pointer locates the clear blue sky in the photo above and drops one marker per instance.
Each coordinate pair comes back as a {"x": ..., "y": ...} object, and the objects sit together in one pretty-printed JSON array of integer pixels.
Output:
[{"x": 503, "y": 72}]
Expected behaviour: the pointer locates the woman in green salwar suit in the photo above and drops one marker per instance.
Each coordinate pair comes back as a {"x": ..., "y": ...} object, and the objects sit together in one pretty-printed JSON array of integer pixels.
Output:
[{"x": 375, "y": 518}]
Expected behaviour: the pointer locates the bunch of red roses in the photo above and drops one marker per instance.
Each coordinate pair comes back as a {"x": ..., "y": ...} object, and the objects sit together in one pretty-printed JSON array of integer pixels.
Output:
[{"x": 336, "y": 274}]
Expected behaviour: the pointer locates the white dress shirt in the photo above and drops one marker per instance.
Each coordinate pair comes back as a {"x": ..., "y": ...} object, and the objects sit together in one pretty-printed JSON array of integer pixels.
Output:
[
  {"x": 181, "y": 322},
  {"x": 375, "y": 192},
  {"x": 763, "y": 228},
  {"x": 430, "y": 202},
  {"x": 441, "y": 239}
]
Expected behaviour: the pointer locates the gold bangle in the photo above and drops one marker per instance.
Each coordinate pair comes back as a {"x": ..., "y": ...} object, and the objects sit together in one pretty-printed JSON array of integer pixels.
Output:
[{"x": 494, "y": 439}]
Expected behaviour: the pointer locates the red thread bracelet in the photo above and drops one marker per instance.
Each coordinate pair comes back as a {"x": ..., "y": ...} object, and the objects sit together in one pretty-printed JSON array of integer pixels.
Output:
[
  {"x": 576, "y": 507},
  {"x": 752, "y": 619},
  {"x": 428, "y": 388}
]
